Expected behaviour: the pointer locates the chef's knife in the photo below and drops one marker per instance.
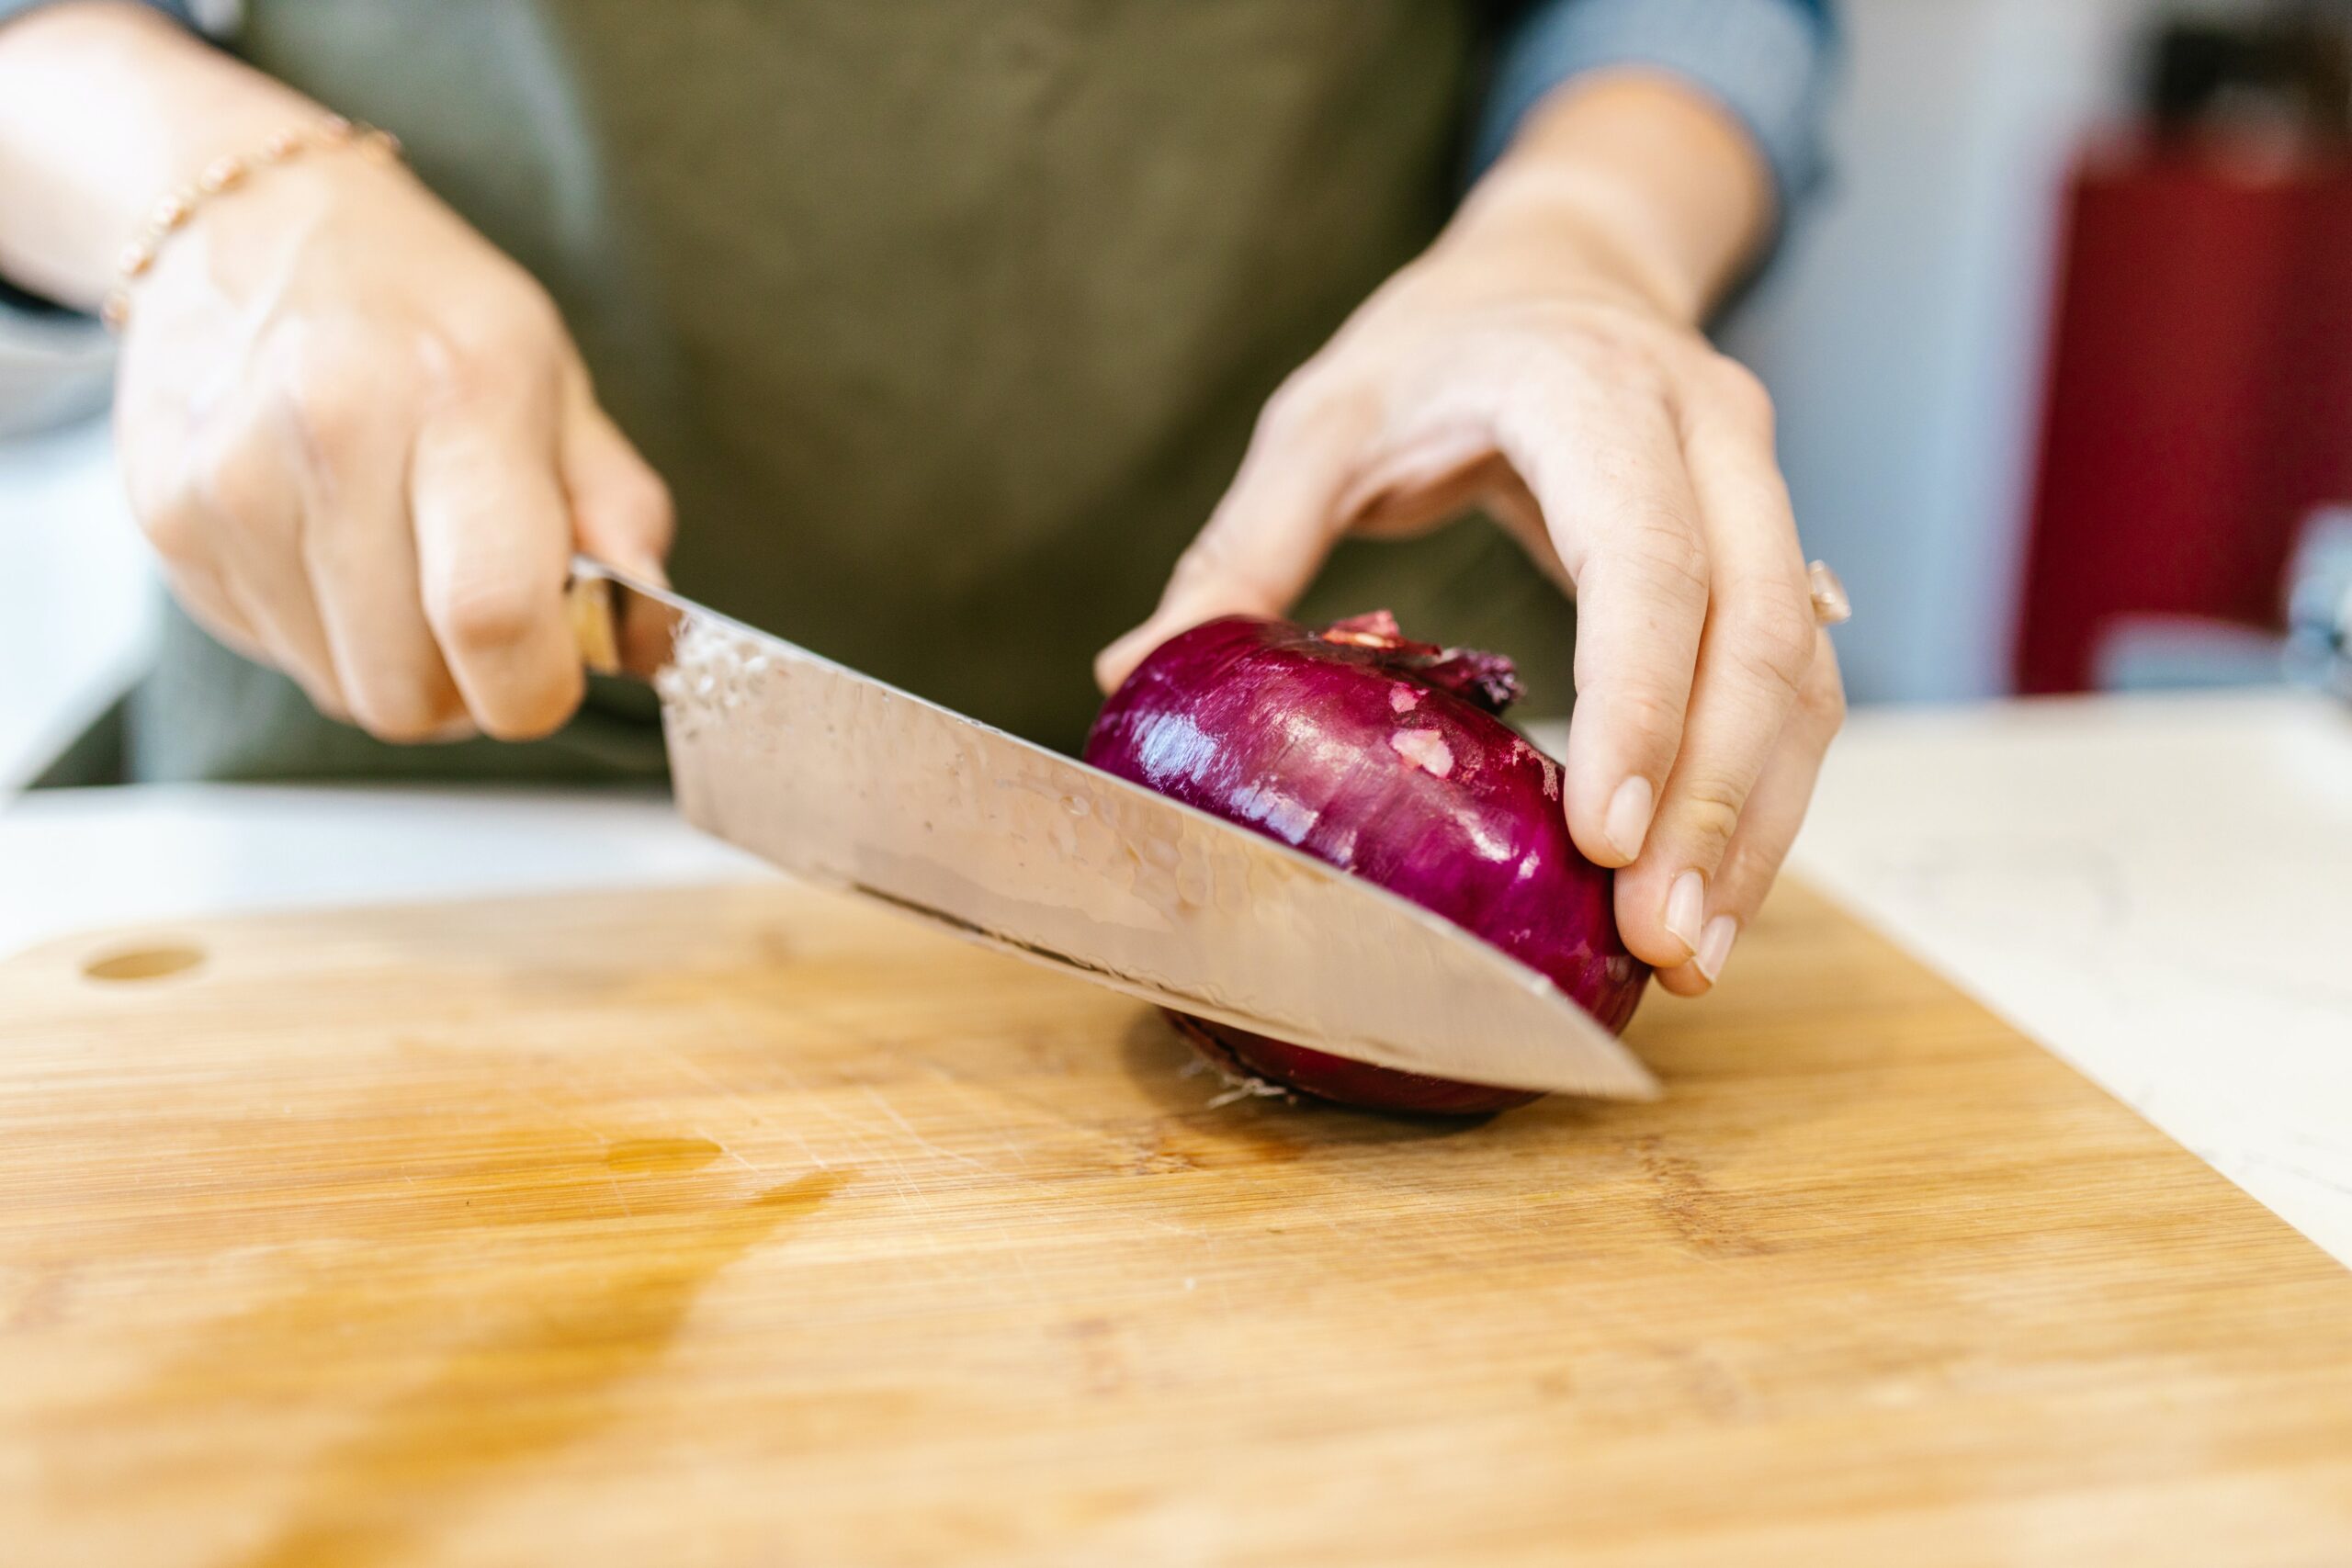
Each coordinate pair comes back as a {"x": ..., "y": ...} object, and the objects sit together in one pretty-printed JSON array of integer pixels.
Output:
[{"x": 845, "y": 782}]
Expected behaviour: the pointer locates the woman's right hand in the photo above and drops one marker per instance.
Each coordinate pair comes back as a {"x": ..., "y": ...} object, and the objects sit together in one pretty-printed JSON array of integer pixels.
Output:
[{"x": 366, "y": 449}]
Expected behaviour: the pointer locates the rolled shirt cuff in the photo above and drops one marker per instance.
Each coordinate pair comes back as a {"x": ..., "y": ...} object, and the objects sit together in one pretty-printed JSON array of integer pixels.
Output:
[{"x": 1767, "y": 61}]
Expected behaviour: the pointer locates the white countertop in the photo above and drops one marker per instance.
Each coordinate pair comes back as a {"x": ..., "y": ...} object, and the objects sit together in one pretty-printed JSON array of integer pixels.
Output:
[
  {"x": 78, "y": 595},
  {"x": 2158, "y": 889}
]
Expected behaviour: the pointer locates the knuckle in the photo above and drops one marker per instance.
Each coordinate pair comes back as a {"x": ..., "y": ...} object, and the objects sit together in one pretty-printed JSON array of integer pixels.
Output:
[
  {"x": 1666, "y": 547},
  {"x": 1709, "y": 813},
  {"x": 518, "y": 342},
  {"x": 1311, "y": 398},
  {"x": 403, "y": 719},
  {"x": 539, "y": 711},
  {"x": 1740, "y": 392},
  {"x": 1650, "y": 715},
  {"x": 1214, "y": 560},
  {"x": 394, "y": 729},
  {"x": 520, "y": 320},
  {"x": 1201, "y": 561},
  {"x": 488, "y": 616},
  {"x": 1825, "y": 703},
  {"x": 331, "y": 413},
  {"x": 529, "y": 311},
  {"x": 1594, "y": 354},
  {"x": 332, "y": 405},
  {"x": 1217, "y": 551},
  {"x": 339, "y": 380},
  {"x": 470, "y": 370},
  {"x": 1279, "y": 422},
  {"x": 1287, "y": 404},
  {"x": 1748, "y": 867},
  {"x": 1770, "y": 639},
  {"x": 1627, "y": 368}
]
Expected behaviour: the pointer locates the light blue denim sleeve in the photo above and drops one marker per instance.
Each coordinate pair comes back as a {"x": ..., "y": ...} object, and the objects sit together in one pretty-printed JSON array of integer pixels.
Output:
[{"x": 1768, "y": 61}]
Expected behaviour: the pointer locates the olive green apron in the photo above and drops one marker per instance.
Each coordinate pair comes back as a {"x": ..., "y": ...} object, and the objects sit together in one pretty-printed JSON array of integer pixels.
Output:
[{"x": 946, "y": 321}]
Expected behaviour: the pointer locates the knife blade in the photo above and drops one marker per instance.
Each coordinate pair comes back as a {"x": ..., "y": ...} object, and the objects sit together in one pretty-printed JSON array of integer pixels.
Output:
[{"x": 850, "y": 783}]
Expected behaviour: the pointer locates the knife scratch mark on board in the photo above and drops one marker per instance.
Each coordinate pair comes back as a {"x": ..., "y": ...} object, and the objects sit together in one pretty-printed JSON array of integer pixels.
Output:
[
  {"x": 907, "y": 1127},
  {"x": 725, "y": 1153},
  {"x": 704, "y": 1076}
]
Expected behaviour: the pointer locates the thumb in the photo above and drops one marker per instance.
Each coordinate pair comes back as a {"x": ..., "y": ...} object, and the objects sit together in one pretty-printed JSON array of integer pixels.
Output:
[
  {"x": 1265, "y": 542},
  {"x": 621, "y": 513}
]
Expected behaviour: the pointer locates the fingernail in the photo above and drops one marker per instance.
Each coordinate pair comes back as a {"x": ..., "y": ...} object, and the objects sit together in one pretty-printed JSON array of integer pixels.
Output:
[
  {"x": 1715, "y": 946},
  {"x": 1830, "y": 606},
  {"x": 1628, "y": 821},
  {"x": 1686, "y": 905}
]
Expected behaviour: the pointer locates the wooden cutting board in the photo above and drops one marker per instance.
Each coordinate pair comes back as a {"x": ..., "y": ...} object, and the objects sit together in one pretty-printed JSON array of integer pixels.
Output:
[{"x": 750, "y": 1227}]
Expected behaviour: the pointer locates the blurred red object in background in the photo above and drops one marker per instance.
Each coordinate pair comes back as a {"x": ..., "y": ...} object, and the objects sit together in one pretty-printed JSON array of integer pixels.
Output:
[{"x": 2199, "y": 401}]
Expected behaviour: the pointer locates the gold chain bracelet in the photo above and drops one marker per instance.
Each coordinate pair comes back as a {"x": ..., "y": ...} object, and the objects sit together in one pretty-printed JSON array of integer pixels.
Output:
[{"x": 173, "y": 212}]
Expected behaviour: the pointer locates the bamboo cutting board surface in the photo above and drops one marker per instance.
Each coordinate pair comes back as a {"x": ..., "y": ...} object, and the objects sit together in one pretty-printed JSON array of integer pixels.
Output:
[{"x": 752, "y": 1226}]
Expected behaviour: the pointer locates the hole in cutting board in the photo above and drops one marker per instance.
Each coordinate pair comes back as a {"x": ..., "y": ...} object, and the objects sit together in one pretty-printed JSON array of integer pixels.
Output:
[{"x": 145, "y": 962}]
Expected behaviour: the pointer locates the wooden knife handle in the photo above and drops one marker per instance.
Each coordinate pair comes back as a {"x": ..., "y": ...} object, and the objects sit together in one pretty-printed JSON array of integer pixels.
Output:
[
  {"x": 588, "y": 602},
  {"x": 622, "y": 627}
]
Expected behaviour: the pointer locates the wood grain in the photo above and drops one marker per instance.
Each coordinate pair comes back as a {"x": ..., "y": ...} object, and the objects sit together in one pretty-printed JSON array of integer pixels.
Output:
[{"x": 750, "y": 1227}]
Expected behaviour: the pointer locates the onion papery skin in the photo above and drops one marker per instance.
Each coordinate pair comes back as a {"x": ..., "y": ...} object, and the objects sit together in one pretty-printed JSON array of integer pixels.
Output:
[{"x": 1387, "y": 759}]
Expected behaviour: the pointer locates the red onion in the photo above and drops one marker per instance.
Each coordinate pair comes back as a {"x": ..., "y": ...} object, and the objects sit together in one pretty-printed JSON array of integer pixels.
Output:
[{"x": 1386, "y": 758}]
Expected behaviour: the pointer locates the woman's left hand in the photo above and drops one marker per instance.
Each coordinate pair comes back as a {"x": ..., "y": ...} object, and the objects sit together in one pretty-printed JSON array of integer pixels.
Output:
[{"x": 1527, "y": 366}]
